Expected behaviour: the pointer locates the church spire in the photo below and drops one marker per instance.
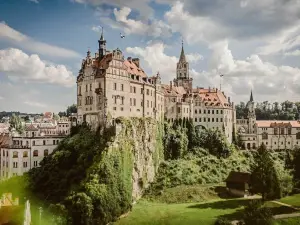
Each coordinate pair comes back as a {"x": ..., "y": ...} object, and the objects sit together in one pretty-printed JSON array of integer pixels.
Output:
[
  {"x": 251, "y": 96},
  {"x": 102, "y": 46},
  {"x": 182, "y": 55}
]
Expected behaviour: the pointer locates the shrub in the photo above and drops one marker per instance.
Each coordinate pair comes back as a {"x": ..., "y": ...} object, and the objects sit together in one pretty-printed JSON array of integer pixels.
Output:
[
  {"x": 254, "y": 213},
  {"x": 222, "y": 221}
]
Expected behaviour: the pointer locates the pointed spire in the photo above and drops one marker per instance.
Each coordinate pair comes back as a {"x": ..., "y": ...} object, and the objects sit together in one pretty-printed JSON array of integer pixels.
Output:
[
  {"x": 251, "y": 96},
  {"x": 182, "y": 55},
  {"x": 102, "y": 37}
]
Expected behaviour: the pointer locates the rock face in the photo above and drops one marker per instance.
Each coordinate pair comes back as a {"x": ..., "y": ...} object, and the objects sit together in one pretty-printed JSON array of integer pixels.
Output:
[{"x": 143, "y": 138}]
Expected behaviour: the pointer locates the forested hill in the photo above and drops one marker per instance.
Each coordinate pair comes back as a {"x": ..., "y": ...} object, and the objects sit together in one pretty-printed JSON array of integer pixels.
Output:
[{"x": 271, "y": 111}]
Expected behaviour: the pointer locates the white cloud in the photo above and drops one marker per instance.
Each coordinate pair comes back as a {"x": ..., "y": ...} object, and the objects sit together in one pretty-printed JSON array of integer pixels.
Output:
[
  {"x": 138, "y": 5},
  {"x": 35, "y": 104},
  {"x": 155, "y": 28},
  {"x": 156, "y": 59},
  {"x": 193, "y": 28},
  {"x": 194, "y": 57},
  {"x": 35, "y": 1},
  {"x": 284, "y": 42},
  {"x": 1, "y": 98},
  {"x": 15, "y": 63},
  {"x": 240, "y": 76},
  {"x": 23, "y": 41},
  {"x": 293, "y": 53}
]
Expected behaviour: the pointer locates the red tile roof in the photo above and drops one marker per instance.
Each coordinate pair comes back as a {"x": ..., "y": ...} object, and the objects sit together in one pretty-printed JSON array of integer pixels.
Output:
[
  {"x": 278, "y": 123},
  {"x": 133, "y": 69}
]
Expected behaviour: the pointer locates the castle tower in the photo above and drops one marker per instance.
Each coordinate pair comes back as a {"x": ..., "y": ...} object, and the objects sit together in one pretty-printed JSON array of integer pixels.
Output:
[
  {"x": 102, "y": 46},
  {"x": 251, "y": 115},
  {"x": 182, "y": 72}
]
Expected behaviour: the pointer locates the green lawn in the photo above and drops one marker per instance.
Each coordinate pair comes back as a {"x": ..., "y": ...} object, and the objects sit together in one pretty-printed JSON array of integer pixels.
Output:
[
  {"x": 146, "y": 212},
  {"x": 293, "y": 200},
  {"x": 290, "y": 221}
]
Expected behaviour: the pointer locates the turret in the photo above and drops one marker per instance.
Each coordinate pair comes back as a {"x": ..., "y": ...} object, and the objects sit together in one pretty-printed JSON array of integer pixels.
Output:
[{"x": 102, "y": 46}]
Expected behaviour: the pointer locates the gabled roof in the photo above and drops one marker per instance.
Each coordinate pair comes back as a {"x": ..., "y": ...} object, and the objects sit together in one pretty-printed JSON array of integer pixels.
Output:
[
  {"x": 133, "y": 69},
  {"x": 238, "y": 177}
]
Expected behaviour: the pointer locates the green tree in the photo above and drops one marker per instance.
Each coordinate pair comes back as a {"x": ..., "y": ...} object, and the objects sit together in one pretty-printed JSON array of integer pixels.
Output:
[
  {"x": 255, "y": 213},
  {"x": 264, "y": 177},
  {"x": 16, "y": 123},
  {"x": 71, "y": 109},
  {"x": 296, "y": 166},
  {"x": 215, "y": 142}
]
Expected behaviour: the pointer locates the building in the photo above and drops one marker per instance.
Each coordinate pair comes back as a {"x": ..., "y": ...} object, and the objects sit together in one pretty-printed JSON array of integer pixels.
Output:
[
  {"x": 108, "y": 86},
  {"x": 238, "y": 184},
  {"x": 21, "y": 152},
  {"x": 276, "y": 135}
]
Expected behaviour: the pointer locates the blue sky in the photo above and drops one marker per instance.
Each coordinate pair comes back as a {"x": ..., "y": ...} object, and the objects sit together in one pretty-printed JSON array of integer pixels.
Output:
[{"x": 254, "y": 43}]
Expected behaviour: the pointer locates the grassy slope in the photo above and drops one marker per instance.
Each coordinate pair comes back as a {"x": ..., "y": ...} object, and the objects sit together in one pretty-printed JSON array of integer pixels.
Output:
[
  {"x": 189, "y": 213},
  {"x": 293, "y": 200},
  {"x": 290, "y": 221}
]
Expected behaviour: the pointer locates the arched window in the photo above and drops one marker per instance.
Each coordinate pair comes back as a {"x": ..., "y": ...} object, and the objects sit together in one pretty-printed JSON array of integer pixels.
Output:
[
  {"x": 15, "y": 154},
  {"x": 264, "y": 136},
  {"x": 35, "y": 153},
  {"x": 298, "y": 135},
  {"x": 25, "y": 154},
  {"x": 253, "y": 146},
  {"x": 46, "y": 152}
]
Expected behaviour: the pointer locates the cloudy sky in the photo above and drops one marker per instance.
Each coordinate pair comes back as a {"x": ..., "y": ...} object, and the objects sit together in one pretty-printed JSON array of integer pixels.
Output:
[{"x": 254, "y": 43}]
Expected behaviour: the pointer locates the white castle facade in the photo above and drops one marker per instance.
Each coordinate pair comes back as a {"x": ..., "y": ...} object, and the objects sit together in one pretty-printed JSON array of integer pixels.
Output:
[
  {"x": 275, "y": 134},
  {"x": 109, "y": 86}
]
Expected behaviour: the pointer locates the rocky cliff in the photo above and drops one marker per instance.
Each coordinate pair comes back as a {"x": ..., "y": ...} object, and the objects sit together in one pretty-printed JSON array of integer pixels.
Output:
[{"x": 142, "y": 139}]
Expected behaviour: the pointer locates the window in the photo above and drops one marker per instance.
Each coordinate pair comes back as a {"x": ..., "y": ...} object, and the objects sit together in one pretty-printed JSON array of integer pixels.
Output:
[
  {"x": 275, "y": 131},
  {"x": 298, "y": 135},
  {"x": 44, "y": 142},
  {"x": 115, "y": 108},
  {"x": 115, "y": 86},
  {"x": 90, "y": 87},
  {"x": 221, "y": 111},
  {"x": 25, "y": 164},
  {"x": 221, "y": 119},
  {"x": 204, "y": 111},
  {"x": 212, "y": 111},
  {"x": 208, "y": 119},
  {"x": 122, "y": 87},
  {"x": 35, "y": 163},
  {"x": 289, "y": 131},
  {"x": 195, "y": 119},
  {"x": 204, "y": 119},
  {"x": 208, "y": 111},
  {"x": 148, "y": 103},
  {"x": 199, "y": 119},
  {"x": 195, "y": 111},
  {"x": 15, "y": 164},
  {"x": 115, "y": 99},
  {"x": 122, "y": 100},
  {"x": 141, "y": 90},
  {"x": 134, "y": 89},
  {"x": 264, "y": 136},
  {"x": 25, "y": 154},
  {"x": 217, "y": 119},
  {"x": 217, "y": 111},
  {"x": 134, "y": 102},
  {"x": 33, "y": 143},
  {"x": 130, "y": 101},
  {"x": 178, "y": 110},
  {"x": 212, "y": 120},
  {"x": 86, "y": 88},
  {"x": 15, "y": 154},
  {"x": 282, "y": 131},
  {"x": 46, "y": 152},
  {"x": 35, "y": 153},
  {"x": 147, "y": 91}
]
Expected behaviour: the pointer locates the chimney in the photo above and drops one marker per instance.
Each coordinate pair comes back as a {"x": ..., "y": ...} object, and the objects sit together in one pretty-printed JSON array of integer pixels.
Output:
[
  {"x": 171, "y": 85},
  {"x": 136, "y": 61},
  {"x": 216, "y": 89},
  {"x": 208, "y": 89},
  {"x": 129, "y": 59},
  {"x": 229, "y": 100}
]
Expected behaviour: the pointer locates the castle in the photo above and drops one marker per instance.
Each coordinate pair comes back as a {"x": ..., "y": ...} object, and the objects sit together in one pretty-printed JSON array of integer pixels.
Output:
[
  {"x": 109, "y": 86},
  {"x": 274, "y": 134}
]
